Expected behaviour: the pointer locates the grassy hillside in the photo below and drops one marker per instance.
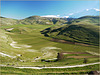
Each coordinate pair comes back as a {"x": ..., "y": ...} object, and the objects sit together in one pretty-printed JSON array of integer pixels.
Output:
[
  {"x": 42, "y": 20},
  {"x": 7, "y": 21},
  {"x": 81, "y": 32},
  {"x": 25, "y": 43},
  {"x": 32, "y": 20},
  {"x": 93, "y": 20}
]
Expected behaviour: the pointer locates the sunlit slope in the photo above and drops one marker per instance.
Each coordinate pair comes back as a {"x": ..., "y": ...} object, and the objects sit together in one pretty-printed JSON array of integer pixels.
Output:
[
  {"x": 81, "y": 32},
  {"x": 7, "y": 21},
  {"x": 25, "y": 41},
  {"x": 42, "y": 20},
  {"x": 27, "y": 46},
  {"x": 93, "y": 20},
  {"x": 32, "y": 20}
]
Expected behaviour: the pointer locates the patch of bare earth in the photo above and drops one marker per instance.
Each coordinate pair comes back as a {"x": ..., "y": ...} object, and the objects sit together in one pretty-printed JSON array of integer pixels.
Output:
[
  {"x": 63, "y": 41},
  {"x": 75, "y": 53},
  {"x": 81, "y": 56}
]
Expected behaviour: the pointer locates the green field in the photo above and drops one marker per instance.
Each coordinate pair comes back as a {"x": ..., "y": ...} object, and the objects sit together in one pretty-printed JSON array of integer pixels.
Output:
[
  {"x": 31, "y": 46},
  {"x": 68, "y": 71}
]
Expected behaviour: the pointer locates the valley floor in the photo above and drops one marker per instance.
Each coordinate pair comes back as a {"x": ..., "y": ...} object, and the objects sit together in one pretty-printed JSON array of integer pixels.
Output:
[{"x": 25, "y": 46}]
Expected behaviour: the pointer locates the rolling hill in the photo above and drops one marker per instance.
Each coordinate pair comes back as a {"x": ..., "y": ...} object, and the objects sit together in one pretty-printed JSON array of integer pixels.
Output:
[
  {"x": 33, "y": 20},
  {"x": 7, "y": 21},
  {"x": 93, "y": 20},
  {"x": 82, "y": 30},
  {"x": 24, "y": 45}
]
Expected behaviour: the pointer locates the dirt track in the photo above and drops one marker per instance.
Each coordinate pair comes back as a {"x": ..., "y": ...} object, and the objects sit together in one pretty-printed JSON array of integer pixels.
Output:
[
  {"x": 74, "y": 53},
  {"x": 67, "y": 42},
  {"x": 62, "y": 66},
  {"x": 81, "y": 56}
]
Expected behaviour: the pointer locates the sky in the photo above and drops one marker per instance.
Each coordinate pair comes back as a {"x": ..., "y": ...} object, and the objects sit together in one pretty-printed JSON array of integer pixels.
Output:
[{"x": 23, "y": 9}]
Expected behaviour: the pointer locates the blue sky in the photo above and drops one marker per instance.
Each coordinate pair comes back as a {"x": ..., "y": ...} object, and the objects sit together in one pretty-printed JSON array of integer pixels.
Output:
[{"x": 23, "y": 9}]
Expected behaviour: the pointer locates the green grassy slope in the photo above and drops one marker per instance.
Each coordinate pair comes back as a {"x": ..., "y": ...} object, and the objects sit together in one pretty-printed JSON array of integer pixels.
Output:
[
  {"x": 7, "y": 21},
  {"x": 93, "y": 20},
  {"x": 32, "y": 20},
  {"x": 83, "y": 32},
  {"x": 69, "y": 71},
  {"x": 42, "y": 20},
  {"x": 29, "y": 35}
]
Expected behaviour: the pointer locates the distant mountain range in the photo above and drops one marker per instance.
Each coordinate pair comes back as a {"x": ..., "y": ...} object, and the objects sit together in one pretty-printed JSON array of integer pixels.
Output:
[
  {"x": 34, "y": 20},
  {"x": 87, "y": 12},
  {"x": 49, "y": 19}
]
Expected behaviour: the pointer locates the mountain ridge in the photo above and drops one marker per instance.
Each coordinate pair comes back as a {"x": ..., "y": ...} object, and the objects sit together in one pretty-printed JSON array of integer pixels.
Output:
[
  {"x": 32, "y": 20},
  {"x": 47, "y": 20}
]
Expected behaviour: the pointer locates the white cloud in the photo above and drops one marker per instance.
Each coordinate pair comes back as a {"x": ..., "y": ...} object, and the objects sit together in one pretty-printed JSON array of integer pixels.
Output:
[
  {"x": 87, "y": 9},
  {"x": 71, "y": 13},
  {"x": 96, "y": 9},
  {"x": 65, "y": 16},
  {"x": 53, "y": 16},
  {"x": 58, "y": 15},
  {"x": 93, "y": 8}
]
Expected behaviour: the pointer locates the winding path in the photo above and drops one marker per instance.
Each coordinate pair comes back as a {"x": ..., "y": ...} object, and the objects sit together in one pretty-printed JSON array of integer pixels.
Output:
[{"x": 62, "y": 66}]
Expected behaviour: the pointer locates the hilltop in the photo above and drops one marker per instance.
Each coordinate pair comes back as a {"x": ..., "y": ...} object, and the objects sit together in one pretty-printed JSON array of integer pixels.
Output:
[
  {"x": 33, "y": 20},
  {"x": 8, "y": 21},
  {"x": 93, "y": 20}
]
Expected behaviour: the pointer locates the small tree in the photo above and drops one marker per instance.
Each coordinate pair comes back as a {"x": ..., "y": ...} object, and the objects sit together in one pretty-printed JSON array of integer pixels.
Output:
[
  {"x": 85, "y": 60},
  {"x": 60, "y": 56}
]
